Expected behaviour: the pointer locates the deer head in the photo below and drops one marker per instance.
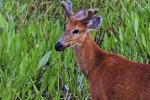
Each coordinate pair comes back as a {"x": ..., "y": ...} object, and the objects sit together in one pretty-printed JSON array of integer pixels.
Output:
[{"x": 78, "y": 27}]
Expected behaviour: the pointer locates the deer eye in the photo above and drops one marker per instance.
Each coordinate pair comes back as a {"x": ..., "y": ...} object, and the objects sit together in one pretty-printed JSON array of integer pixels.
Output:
[{"x": 75, "y": 31}]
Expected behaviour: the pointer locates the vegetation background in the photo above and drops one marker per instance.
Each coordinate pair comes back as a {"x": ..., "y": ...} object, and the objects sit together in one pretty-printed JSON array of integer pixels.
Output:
[{"x": 30, "y": 68}]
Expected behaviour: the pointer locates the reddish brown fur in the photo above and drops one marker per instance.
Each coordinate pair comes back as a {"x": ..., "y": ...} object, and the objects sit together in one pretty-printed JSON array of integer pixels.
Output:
[{"x": 110, "y": 76}]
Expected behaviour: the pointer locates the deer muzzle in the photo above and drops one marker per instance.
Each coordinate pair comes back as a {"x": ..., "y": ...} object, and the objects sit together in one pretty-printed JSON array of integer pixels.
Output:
[{"x": 59, "y": 47}]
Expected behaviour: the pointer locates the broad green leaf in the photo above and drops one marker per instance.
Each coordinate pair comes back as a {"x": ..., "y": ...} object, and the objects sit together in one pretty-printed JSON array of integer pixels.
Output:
[{"x": 44, "y": 60}]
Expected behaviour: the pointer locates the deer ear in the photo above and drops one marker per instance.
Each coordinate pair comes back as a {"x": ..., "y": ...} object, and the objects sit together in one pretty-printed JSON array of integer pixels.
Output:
[{"x": 94, "y": 22}]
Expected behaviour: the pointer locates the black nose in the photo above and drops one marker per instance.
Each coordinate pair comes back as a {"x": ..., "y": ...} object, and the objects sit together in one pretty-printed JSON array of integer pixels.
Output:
[{"x": 59, "y": 47}]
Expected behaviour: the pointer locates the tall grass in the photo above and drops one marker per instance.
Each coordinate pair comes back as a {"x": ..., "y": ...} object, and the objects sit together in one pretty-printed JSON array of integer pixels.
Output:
[{"x": 30, "y": 68}]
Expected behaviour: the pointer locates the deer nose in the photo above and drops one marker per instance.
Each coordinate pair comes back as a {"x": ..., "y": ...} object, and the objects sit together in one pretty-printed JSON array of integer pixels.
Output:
[{"x": 59, "y": 47}]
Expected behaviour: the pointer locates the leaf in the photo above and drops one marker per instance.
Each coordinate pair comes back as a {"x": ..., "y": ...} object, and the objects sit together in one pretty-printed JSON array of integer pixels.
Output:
[
  {"x": 136, "y": 25},
  {"x": 44, "y": 60},
  {"x": 120, "y": 35},
  {"x": 3, "y": 22},
  {"x": 51, "y": 85},
  {"x": 143, "y": 40}
]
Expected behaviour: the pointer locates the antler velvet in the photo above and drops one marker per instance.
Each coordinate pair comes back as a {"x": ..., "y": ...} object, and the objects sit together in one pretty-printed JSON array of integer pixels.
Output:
[{"x": 67, "y": 7}]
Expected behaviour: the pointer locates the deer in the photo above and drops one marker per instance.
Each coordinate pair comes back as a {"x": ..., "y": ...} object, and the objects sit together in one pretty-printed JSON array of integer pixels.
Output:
[{"x": 110, "y": 76}]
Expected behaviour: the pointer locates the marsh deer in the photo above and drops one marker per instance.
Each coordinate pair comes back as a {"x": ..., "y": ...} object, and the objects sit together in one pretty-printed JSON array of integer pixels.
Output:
[{"x": 110, "y": 76}]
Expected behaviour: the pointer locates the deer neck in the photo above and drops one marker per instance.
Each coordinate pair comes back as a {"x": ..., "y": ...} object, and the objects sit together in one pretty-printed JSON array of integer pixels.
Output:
[{"x": 88, "y": 55}]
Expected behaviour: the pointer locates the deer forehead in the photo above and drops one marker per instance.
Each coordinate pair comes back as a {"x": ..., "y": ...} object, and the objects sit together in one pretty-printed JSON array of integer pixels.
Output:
[{"x": 75, "y": 24}]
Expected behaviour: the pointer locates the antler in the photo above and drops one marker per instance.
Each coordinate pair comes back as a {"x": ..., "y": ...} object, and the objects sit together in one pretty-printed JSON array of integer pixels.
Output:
[
  {"x": 67, "y": 7},
  {"x": 90, "y": 14}
]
